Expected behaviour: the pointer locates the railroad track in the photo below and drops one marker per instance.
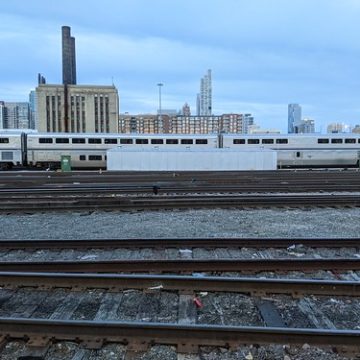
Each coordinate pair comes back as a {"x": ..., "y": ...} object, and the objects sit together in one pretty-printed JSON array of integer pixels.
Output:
[
  {"x": 182, "y": 243},
  {"x": 80, "y": 202},
  {"x": 99, "y": 328}
]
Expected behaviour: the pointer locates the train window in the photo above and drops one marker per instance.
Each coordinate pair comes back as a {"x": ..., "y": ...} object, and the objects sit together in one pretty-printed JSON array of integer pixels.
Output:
[
  {"x": 239, "y": 141},
  {"x": 323, "y": 141},
  {"x": 126, "y": 141},
  {"x": 253, "y": 141},
  {"x": 281, "y": 141},
  {"x": 110, "y": 141},
  {"x": 7, "y": 155},
  {"x": 157, "y": 141},
  {"x": 4, "y": 140},
  {"x": 336, "y": 141},
  {"x": 267, "y": 141},
  {"x": 298, "y": 154},
  {"x": 45, "y": 141},
  {"x": 172, "y": 141},
  {"x": 62, "y": 140},
  {"x": 95, "y": 157},
  {"x": 142, "y": 141},
  {"x": 82, "y": 157},
  {"x": 187, "y": 141},
  {"x": 201, "y": 141},
  {"x": 94, "y": 141},
  {"x": 78, "y": 141},
  {"x": 350, "y": 141}
]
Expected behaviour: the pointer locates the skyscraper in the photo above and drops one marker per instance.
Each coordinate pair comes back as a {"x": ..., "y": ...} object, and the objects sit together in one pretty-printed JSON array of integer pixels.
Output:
[
  {"x": 294, "y": 117},
  {"x": 206, "y": 95},
  {"x": 68, "y": 57}
]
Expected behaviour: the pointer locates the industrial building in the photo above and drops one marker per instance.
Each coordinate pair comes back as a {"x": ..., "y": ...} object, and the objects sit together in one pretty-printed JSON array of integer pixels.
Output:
[{"x": 81, "y": 108}]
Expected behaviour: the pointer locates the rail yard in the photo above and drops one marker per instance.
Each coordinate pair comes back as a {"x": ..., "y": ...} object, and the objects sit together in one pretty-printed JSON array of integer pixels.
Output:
[{"x": 250, "y": 265}]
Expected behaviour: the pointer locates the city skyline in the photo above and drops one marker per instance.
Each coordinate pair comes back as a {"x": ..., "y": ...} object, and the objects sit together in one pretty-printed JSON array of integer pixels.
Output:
[{"x": 264, "y": 55}]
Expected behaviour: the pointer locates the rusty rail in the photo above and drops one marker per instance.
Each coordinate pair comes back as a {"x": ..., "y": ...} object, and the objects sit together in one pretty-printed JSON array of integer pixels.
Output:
[
  {"x": 117, "y": 282},
  {"x": 181, "y": 243},
  {"x": 186, "y": 337},
  {"x": 181, "y": 265}
]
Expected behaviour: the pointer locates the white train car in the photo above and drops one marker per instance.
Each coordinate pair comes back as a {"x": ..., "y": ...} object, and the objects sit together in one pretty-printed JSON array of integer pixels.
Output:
[
  {"x": 89, "y": 150},
  {"x": 11, "y": 149},
  {"x": 311, "y": 150}
]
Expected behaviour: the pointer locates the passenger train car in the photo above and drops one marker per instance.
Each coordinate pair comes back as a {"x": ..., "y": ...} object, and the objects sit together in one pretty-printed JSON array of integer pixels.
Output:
[
  {"x": 303, "y": 150},
  {"x": 33, "y": 149},
  {"x": 89, "y": 150}
]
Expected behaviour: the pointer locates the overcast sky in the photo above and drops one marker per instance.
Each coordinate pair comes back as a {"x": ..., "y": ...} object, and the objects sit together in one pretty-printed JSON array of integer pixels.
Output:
[{"x": 264, "y": 54}]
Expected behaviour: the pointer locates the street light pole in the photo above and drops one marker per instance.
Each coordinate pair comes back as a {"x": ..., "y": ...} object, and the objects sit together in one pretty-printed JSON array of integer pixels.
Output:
[{"x": 160, "y": 117}]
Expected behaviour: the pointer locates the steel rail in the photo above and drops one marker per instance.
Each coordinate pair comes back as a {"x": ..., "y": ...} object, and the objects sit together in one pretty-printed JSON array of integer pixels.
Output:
[
  {"x": 106, "y": 189},
  {"x": 182, "y": 243},
  {"x": 181, "y": 265},
  {"x": 171, "y": 202},
  {"x": 185, "y": 284},
  {"x": 184, "y": 336}
]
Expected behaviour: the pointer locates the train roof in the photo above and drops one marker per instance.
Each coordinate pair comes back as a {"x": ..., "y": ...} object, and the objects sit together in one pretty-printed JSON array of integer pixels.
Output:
[
  {"x": 296, "y": 136},
  {"x": 132, "y": 135}
]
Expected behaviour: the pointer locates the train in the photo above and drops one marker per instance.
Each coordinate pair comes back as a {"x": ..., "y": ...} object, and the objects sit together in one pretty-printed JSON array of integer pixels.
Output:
[{"x": 32, "y": 149}]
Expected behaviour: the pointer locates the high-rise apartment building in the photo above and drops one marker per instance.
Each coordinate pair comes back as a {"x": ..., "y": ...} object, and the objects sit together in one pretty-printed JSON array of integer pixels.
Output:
[
  {"x": 2, "y": 115},
  {"x": 15, "y": 115},
  {"x": 204, "y": 98},
  {"x": 90, "y": 108},
  {"x": 33, "y": 120},
  {"x": 294, "y": 117},
  {"x": 68, "y": 57},
  {"x": 185, "y": 124}
]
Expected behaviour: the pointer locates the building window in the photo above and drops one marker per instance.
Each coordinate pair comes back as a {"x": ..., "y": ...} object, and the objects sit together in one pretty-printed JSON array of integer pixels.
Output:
[
  {"x": 336, "y": 141},
  {"x": 201, "y": 141},
  {"x": 4, "y": 140},
  {"x": 62, "y": 140},
  {"x": 95, "y": 157},
  {"x": 110, "y": 141},
  {"x": 253, "y": 141},
  {"x": 45, "y": 141},
  {"x": 281, "y": 141},
  {"x": 78, "y": 141},
  {"x": 239, "y": 141},
  {"x": 142, "y": 141},
  {"x": 94, "y": 141},
  {"x": 157, "y": 141},
  {"x": 323, "y": 141}
]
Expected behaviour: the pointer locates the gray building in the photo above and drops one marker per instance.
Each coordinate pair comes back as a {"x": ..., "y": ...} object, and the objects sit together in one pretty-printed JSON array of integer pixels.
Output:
[
  {"x": 204, "y": 99},
  {"x": 2, "y": 115},
  {"x": 33, "y": 120},
  {"x": 14, "y": 115},
  {"x": 294, "y": 117},
  {"x": 77, "y": 108},
  {"x": 68, "y": 57}
]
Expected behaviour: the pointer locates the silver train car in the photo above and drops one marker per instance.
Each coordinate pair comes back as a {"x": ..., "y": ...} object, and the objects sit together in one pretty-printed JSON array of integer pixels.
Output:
[
  {"x": 303, "y": 151},
  {"x": 89, "y": 150},
  {"x": 12, "y": 149}
]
